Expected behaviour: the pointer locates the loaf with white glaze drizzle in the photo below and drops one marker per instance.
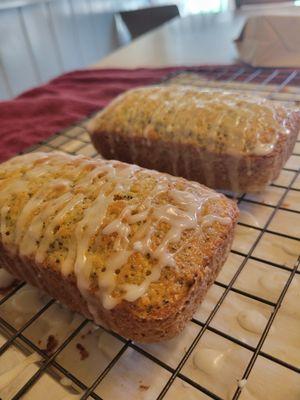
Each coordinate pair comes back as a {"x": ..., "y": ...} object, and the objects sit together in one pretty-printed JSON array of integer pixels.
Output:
[
  {"x": 133, "y": 249},
  {"x": 224, "y": 140}
]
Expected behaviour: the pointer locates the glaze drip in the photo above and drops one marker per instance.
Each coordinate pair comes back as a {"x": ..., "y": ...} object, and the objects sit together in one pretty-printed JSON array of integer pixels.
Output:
[
  {"x": 210, "y": 361},
  {"x": 6, "y": 279},
  {"x": 252, "y": 320},
  {"x": 8, "y": 377}
]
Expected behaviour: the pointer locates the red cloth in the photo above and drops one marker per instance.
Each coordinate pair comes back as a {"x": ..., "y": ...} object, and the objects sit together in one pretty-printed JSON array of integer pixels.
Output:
[
  {"x": 39, "y": 113},
  {"x": 42, "y": 111}
]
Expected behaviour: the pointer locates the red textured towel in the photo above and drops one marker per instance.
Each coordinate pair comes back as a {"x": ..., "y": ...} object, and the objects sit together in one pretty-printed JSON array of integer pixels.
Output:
[
  {"x": 45, "y": 110},
  {"x": 42, "y": 111}
]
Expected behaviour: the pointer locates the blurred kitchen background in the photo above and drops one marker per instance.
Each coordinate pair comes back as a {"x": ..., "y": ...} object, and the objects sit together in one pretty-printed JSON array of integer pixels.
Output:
[{"x": 40, "y": 39}]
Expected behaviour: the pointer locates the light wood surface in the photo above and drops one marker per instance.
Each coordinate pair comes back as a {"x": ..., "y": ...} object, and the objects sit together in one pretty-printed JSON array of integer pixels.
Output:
[{"x": 195, "y": 39}]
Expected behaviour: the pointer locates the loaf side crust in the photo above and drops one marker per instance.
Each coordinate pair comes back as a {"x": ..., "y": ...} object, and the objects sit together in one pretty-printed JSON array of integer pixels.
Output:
[
  {"x": 124, "y": 318},
  {"x": 170, "y": 301},
  {"x": 247, "y": 173}
]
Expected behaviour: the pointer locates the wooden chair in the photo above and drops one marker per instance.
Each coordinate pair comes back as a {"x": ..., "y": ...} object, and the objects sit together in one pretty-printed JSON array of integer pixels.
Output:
[
  {"x": 240, "y": 3},
  {"x": 143, "y": 20}
]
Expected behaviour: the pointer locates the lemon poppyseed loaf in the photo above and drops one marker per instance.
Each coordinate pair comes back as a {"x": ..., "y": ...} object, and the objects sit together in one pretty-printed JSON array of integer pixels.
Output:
[
  {"x": 221, "y": 139},
  {"x": 133, "y": 249}
]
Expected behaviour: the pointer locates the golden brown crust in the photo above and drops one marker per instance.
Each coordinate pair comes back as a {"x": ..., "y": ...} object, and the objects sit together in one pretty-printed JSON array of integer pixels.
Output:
[
  {"x": 238, "y": 171},
  {"x": 169, "y": 300}
]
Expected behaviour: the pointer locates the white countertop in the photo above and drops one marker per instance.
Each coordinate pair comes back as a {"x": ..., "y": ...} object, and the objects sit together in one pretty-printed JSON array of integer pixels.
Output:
[{"x": 192, "y": 40}]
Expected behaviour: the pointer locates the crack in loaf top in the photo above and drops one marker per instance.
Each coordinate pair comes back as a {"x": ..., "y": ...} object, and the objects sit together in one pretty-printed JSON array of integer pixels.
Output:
[
  {"x": 220, "y": 121},
  {"x": 114, "y": 226}
]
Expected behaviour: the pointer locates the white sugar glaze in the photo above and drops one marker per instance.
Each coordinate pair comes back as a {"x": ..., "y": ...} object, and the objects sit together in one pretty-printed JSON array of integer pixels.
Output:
[
  {"x": 28, "y": 300},
  {"x": 54, "y": 200},
  {"x": 252, "y": 320},
  {"x": 208, "y": 360},
  {"x": 6, "y": 279},
  {"x": 272, "y": 282},
  {"x": 242, "y": 383},
  {"x": 11, "y": 375},
  {"x": 249, "y": 218},
  {"x": 66, "y": 381}
]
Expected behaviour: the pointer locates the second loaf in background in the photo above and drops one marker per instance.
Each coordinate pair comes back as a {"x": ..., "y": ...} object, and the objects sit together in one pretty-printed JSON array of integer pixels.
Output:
[{"x": 224, "y": 140}]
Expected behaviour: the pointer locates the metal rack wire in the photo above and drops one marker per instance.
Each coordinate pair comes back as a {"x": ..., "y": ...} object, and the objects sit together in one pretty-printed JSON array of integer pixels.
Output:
[{"x": 276, "y": 84}]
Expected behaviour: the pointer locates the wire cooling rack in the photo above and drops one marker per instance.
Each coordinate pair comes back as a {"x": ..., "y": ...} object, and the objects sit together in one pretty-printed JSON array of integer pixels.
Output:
[{"x": 260, "y": 282}]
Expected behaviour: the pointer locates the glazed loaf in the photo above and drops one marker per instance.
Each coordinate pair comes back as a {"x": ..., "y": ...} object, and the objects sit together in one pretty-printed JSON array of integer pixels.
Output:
[
  {"x": 221, "y": 139},
  {"x": 133, "y": 249}
]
